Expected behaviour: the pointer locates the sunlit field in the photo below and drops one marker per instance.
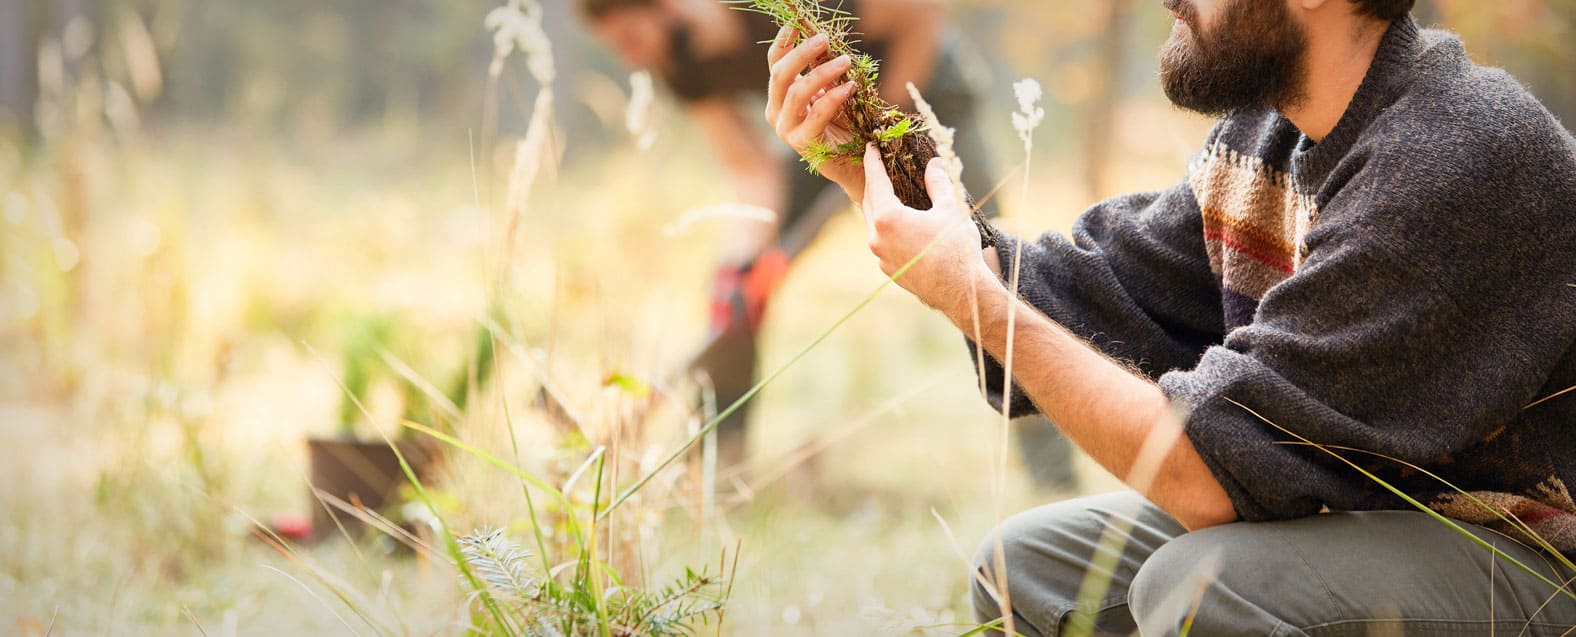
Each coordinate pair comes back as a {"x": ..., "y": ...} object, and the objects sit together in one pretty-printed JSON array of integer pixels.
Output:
[
  {"x": 183, "y": 305},
  {"x": 175, "y": 318}
]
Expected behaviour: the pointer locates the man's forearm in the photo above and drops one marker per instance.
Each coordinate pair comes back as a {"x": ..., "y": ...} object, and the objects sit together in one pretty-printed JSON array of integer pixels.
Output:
[{"x": 1107, "y": 410}]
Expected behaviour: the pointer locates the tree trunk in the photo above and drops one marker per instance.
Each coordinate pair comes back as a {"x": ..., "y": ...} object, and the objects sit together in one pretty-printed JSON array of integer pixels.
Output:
[{"x": 18, "y": 70}]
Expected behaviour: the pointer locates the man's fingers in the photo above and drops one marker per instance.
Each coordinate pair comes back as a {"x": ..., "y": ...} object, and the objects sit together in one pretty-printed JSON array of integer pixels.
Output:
[
  {"x": 786, "y": 69},
  {"x": 823, "y": 111},
  {"x": 779, "y": 46},
  {"x": 939, "y": 184},
  {"x": 796, "y": 103}
]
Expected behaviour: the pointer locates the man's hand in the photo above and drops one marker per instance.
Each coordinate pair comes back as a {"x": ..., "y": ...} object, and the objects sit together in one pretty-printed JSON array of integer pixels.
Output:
[
  {"x": 803, "y": 107},
  {"x": 945, "y": 234}
]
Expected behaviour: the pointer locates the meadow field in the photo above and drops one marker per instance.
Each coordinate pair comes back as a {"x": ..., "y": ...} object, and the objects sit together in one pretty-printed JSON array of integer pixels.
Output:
[
  {"x": 174, "y": 321},
  {"x": 182, "y": 302},
  {"x": 175, "y": 317}
]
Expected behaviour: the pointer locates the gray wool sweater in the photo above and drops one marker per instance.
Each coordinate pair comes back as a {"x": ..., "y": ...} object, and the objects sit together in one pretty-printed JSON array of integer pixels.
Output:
[{"x": 1405, "y": 287}]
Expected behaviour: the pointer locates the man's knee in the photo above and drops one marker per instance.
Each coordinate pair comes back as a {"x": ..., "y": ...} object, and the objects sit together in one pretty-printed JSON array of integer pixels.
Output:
[
  {"x": 1165, "y": 587},
  {"x": 1046, "y": 552},
  {"x": 1234, "y": 579}
]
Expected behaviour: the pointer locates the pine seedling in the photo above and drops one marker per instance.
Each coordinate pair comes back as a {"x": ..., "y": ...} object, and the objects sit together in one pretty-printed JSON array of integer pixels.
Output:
[{"x": 905, "y": 148}]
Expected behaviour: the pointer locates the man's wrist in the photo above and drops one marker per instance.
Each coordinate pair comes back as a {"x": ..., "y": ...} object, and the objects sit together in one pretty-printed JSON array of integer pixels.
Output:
[{"x": 981, "y": 298}]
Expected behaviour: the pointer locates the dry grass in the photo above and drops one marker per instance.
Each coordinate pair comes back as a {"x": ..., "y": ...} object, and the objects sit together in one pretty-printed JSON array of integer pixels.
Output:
[
  {"x": 157, "y": 392},
  {"x": 170, "y": 316},
  {"x": 159, "y": 396}
]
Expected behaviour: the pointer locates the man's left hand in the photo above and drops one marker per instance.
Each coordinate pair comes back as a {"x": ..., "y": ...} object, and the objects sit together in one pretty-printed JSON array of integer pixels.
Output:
[{"x": 941, "y": 278}]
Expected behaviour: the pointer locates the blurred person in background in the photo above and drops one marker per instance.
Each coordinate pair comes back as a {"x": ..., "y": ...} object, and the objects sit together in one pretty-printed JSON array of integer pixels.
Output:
[
  {"x": 1373, "y": 251},
  {"x": 708, "y": 55}
]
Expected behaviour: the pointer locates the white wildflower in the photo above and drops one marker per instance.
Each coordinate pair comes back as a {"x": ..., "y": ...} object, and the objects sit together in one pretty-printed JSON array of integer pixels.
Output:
[
  {"x": 518, "y": 25},
  {"x": 1029, "y": 114},
  {"x": 637, "y": 117},
  {"x": 943, "y": 135}
]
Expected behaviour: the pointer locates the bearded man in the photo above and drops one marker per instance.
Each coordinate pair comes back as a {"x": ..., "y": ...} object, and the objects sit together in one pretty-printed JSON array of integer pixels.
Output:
[{"x": 1372, "y": 257}]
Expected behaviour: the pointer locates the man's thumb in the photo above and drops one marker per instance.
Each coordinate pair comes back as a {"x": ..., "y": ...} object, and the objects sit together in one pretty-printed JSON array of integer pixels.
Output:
[{"x": 939, "y": 184}]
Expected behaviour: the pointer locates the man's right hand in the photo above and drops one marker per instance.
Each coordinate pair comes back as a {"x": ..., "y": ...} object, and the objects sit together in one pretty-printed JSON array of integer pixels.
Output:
[{"x": 803, "y": 107}]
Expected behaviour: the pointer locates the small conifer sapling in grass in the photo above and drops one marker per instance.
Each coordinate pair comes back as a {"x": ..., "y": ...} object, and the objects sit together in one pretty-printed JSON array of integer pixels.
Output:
[{"x": 906, "y": 148}]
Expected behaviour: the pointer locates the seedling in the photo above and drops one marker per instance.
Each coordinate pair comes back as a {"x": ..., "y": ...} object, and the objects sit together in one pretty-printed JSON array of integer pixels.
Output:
[{"x": 905, "y": 147}]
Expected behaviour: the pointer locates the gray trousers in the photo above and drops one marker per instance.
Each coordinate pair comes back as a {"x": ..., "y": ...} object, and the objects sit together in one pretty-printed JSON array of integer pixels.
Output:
[{"x": 1371, "y": 573}]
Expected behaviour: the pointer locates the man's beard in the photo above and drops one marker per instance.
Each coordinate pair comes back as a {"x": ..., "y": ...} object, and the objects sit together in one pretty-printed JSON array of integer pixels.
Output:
[{"x": 1252, "y": 57}]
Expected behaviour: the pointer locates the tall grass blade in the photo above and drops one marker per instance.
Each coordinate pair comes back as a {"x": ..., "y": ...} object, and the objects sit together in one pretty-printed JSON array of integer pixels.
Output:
[
  {"x": 994, "y": 624},
  {"x": 1414, "y": 502},
  {"x": 514, "y": 446},
  {"x": 493, "y": 460},
  {"x": 501, "y": 620},
  {"x": 317, "y": 597},
  {"x": 449, "y": 542},
  {"x": 712, "y": 423},
  {"x": 1550, "y": 397},
  {"x": 1509, "y": 520}
]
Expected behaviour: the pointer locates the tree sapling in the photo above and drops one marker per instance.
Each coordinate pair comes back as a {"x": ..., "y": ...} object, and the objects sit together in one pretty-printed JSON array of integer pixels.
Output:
[{"x": 905, "y": 148}]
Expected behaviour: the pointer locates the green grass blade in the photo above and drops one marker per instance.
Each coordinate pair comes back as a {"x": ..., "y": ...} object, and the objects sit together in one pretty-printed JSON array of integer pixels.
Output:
[
  {"x": 805, "y": 351},
  {"x": 595, "y": 575},
  {"x": 715, "y": 420},
  {"x": 450, "y": 544},
  {"x": 1513, "y": 522},
  {"x": 1415, "y": 503},
  {"x": 501, "y": 620},
  {"x": 502, "y": 464},
  {"x": 994, "y": 624},
  {"x": 525, "y": 490}
]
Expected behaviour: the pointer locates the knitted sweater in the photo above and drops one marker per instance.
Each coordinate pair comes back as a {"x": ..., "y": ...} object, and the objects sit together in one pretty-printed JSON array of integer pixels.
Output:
[{"x": 1405, "y": 287}]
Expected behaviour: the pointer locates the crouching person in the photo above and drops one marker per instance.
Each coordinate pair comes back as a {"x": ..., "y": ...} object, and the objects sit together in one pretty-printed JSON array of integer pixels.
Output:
[{"x": 1365, "y": 274}]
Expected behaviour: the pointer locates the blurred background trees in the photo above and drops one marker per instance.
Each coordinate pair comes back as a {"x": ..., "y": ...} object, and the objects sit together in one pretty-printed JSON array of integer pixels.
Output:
[
  {"x": 303, "y": 71},
  {"x": 309, "y": 67}
]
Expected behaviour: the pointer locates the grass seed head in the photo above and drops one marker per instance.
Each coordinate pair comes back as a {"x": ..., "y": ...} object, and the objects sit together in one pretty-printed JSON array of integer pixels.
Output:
[
  {"x": 1030, "y": 114},
  {"x": 637, "y": 117},
  {"x": 943, "y": 135},
  {"x": 518, "y": 25}
]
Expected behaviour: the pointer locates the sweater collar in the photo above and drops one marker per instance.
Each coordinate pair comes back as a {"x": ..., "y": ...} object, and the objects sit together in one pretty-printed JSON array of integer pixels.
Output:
[{"x": 1387, "y": 77}]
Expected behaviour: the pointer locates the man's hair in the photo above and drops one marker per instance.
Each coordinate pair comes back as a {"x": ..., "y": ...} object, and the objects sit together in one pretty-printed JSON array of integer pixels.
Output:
[
  {"x": 1382, "y": 9},
  {"x": 595, "y": 9}
]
